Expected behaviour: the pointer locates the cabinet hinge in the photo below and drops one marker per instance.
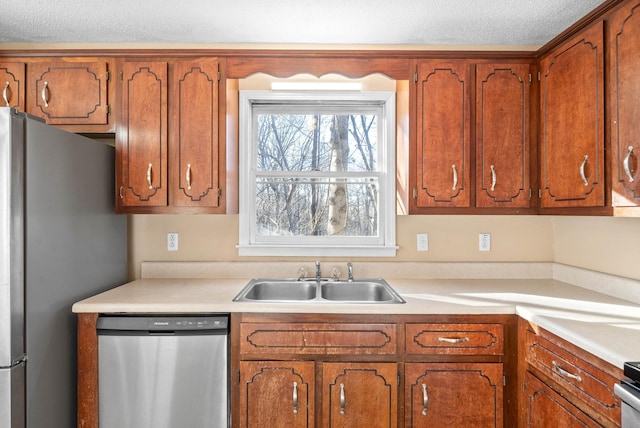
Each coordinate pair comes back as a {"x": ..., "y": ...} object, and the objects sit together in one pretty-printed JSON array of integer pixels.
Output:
[
  {"x": 530, "y": 78},
  {"x": 398, "y": 379},
  {"x": 539, "y": 193},
  {"x": 238, "y": 376},
  {"x": 219, "y": 76},
  {"x": 530, "y": 193},
  {"x": 415, "y": 77},
  {"x": 108, "y": 109},
  {"x": 415, "y": 193},
  {"x": 539, "y": 78},
  {"x": 524, "y": 385},
  {"x": 108, "y": 76},
  {"x": 121, "y": 77},
  {"x": 121, "y": 195},
  {"x": 504, "y": 379},
  {"x": 219, "y": 192}
]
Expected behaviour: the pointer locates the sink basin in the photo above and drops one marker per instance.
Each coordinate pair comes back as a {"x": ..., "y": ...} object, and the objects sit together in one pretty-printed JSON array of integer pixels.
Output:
[
  {"x": 318, "y": 291},
  {"x": 360, "y": 291},
  {"x": 270, "y": 290}
]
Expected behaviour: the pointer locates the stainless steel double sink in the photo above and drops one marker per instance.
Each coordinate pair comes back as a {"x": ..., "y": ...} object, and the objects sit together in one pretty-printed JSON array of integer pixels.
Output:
[{"x": 309, "y": 290}]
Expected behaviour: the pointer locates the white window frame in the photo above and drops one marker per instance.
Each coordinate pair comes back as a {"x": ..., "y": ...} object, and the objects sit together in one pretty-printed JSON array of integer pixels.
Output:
[{"x": 383, "y": 245}]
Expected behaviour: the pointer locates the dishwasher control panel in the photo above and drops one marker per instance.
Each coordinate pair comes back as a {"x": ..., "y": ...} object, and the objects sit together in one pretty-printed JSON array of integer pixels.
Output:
[
  {"x": 187, "y": 323},
  {"x": 162, "y": 323}
]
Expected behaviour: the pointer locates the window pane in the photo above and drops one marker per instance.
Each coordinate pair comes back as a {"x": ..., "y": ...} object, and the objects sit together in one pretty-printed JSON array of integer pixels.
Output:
[
  {"x": 314, "y": 207},
  {"x": 307, "y": 142}
]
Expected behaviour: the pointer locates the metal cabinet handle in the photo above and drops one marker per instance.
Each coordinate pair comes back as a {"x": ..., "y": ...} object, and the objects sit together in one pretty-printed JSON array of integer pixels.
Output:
[
  {"x": 493, "y": 178},
  {"x": 425, "y": 399},
  {"x": 44, "y": 94},
  {"x": 565, "y": 373},
  {"x": 582, "y": 165},
  {"x": 295, "y": 397},
  {"x": 453, "y": 339},
  {"x": 188, "y": 176},
  {"x": 342, "y": 399},
  {"x": 149, "y": 176},
  {"x": 5, "y": 94},
  {"x": 455, "y": 177},
  {"x": 625, "y": 163}
]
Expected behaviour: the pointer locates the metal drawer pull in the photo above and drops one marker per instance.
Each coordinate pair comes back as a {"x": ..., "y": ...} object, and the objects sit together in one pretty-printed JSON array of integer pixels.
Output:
[
  {"x": 453, "y": 339},
  {"x": 425, "y": 400},
  {"x": 565, "y": 373},
  {"x": 149, "y": 176},
  {"x": 342, "y": 399},
  {"x": 43, "y": 94},
  {"x": 188, "y": 176},
  {"x": 295, "y": 397},
  {"x": 582, "y": 165},
  {"x": 493, "y": 178},
  {"x": 5, "y": 94},
  {"x": 455, "y": 177},
  {"x": 625, "y": 163}
]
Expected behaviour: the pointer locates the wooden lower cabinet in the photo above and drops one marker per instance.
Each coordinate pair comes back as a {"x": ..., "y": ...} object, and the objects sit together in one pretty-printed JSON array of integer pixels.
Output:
[
  {"x": 277, "y": 393},
  {"x": 545, "y": 408},
  {"x": 453, "y": 395},
  {"x": 360, "y": 395}
]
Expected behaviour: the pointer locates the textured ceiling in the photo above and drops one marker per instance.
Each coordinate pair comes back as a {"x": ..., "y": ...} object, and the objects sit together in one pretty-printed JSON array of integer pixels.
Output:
[{"x": 349, "y": 22}]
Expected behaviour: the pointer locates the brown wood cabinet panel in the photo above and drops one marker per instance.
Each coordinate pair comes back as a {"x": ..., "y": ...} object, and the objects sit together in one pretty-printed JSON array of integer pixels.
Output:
[
  {"x": 317, "y": 338},
  {"x": 442, "y": 153},
  {"x": 277, "y": 394},
  {"x": 12, "y": 85},
  {"x": 456, "y": 395},
  {"x": 546, "y": 408},
  {"x": 502, "y": 135},
  {"x": 142, "y": 134},
  {"x": 360, "y": 395},
  {"x": 572, "y": 370},
  {"x": 572, "y": 122},
  {"x": 624, "y": 87},
  {"x": 455, "y": 339},
  {"x": 193, "y": 115},
  {"x": 68, "y": 92}
]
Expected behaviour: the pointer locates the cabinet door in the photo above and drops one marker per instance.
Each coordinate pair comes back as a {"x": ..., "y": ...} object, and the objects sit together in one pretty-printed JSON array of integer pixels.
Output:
[
  {"x": 442, "y": 143},
  {"x": 69, "y": 92},
  {"x": 546, "y": 408},
  {"x": 142, "y": 134},
  {"x": 276, "y": 394},
  {"x": 572, "y": 118},
  {"x": 12, "y": 82},
  {"x": 360, "y": 395},
  {"x": 456, "y": 395},
  {"x": 624, "y": 39},
  {"x": 502, "y": 135},
  {"x": 194, "y": 157}
]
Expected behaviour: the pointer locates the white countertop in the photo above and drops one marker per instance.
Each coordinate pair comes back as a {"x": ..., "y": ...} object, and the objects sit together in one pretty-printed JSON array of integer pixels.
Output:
[{"x": 606, "y": 326}]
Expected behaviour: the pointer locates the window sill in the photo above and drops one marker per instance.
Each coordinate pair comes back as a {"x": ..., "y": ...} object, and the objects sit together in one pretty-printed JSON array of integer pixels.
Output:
[{"x": 317, "y": 250}]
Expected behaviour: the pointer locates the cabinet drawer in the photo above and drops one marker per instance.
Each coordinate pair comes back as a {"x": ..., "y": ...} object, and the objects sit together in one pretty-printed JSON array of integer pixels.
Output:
[
  {"x": 574, "y": 371},
  {"x": 317, "y": 338},
  {"x": 455, "y": 339}
]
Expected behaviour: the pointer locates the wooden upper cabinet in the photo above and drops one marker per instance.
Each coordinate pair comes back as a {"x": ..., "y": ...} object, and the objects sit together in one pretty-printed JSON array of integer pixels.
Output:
[
  {"x": 502, "y": 135},
  {"x": 360, "y": 395},
  {"x": 442, "y": 152},
  {"x": 624, "y": 91},
  {"x": 142, "y": 134},
  {"x": 572, "y": 122},
  {"x": 12, "y": 85},
  {"x": 69, "y": 92},
  {"x": 193, "y": 113}
]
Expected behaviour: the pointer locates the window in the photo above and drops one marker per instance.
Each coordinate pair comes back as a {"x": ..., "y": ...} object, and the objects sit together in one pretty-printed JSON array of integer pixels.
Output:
[{"x": 317, "y": 173}]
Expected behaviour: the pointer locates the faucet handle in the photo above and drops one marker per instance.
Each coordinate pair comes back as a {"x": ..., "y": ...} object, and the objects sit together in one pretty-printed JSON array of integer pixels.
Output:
[
  {"x": 302, "y": 273},
  {"x": 350, "y": 272},
  {"x": 335, "y": 274}
]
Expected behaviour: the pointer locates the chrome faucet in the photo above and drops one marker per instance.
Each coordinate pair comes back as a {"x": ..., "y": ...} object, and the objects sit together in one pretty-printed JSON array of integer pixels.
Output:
[
  {"x": 318, "y": 274},
  {"x": 350, "y": 272}
]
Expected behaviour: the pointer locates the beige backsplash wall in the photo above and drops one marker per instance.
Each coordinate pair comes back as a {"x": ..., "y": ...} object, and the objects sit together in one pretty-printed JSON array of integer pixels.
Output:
[{"x": 451, "y": 238}]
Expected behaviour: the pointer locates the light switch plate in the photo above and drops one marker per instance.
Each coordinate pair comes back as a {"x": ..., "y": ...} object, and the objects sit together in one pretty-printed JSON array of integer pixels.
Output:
[
  {"x": 422, "y": 242},
  {"x": 484, "y": 242}
]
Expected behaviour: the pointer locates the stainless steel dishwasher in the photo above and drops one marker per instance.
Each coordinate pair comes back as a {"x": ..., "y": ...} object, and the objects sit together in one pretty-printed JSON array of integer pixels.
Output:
[{"x": 163, "y": 371}]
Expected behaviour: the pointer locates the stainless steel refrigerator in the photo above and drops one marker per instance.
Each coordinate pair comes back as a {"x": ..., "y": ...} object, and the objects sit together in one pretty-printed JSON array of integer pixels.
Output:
[{"x": 60, "y": 242}]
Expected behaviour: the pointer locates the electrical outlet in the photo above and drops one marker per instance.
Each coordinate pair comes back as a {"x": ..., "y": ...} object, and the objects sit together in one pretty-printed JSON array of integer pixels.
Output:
[
  {"x": 422, "y": 242},
  {"x": 172, "y": 242},
  {"x": 484, "y": 242}
]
